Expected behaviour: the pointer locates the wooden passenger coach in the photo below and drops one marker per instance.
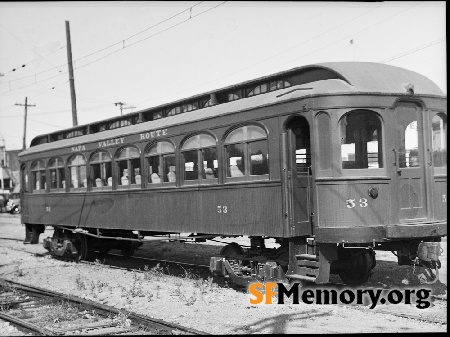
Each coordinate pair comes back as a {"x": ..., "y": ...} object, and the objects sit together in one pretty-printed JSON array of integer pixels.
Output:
[{"x": 334, "y": 160}]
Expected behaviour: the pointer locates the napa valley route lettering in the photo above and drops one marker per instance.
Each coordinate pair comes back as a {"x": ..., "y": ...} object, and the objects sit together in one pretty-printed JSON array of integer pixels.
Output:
[
  {"x": 111, "y": 142},
  {"x": 153, "y": 134},
  {"x": 122, "y": 140}
]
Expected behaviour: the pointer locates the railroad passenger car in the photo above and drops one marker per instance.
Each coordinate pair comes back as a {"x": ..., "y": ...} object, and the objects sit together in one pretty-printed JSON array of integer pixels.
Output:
[{"x": 333, "y": 160}]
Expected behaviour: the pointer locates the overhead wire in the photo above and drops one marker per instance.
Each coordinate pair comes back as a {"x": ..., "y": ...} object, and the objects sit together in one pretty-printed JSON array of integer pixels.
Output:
[
  {"x": 411, "y": 51},
  {"x": 110, "y": 46}
]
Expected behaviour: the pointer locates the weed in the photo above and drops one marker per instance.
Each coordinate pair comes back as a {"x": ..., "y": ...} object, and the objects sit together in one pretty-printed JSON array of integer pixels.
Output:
[
  {"x": 136, "y": 288},
  {"x": 97, "y": 262},
  {"x": 60, "y": 312},
  {"x": 156, "y": 272},
  {"x": 204, "y": 286},
  {"x": 189, "y": 300},
  {"x": 92, "y": 286},
  {"x": 121, "y": 319},
  {"x": 80, "y": 284},
  {"x": 101, "y": 285}
]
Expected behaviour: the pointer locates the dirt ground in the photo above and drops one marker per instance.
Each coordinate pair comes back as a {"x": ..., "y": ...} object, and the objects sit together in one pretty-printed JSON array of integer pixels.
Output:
[{"x": 203, "y": 304}]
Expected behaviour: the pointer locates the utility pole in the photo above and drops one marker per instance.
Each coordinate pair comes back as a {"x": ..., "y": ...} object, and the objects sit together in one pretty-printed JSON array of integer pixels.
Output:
[
  {"x": 26, "y": 105},
  {"x": 120, "y": 103},
  {"x": 71, "y": 78}
]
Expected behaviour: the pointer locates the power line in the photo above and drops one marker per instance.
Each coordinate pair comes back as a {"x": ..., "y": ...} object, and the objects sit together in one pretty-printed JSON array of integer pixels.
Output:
[
  {"x": 103, "y": 57},
  {"x": 411, "y": 51},
  {"x": 112, "y": 45}
]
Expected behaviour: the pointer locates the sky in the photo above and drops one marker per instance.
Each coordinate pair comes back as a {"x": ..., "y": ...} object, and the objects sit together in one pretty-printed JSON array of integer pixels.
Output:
[{"x": 148, "y": 53}]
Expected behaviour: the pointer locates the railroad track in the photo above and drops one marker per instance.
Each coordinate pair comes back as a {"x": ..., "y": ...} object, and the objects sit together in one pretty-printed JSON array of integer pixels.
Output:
[
  {"x": 47, "y": 313},
  {"x": 386, "y": 311}
]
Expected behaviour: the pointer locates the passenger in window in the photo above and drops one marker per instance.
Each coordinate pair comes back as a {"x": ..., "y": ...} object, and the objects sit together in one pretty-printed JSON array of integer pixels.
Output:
[
  {"x": 155, "y": 178},
  {"x": 171, "y": 175},
  {"x": 124, "y": 178},
  {"x": 98, "y": 182}
]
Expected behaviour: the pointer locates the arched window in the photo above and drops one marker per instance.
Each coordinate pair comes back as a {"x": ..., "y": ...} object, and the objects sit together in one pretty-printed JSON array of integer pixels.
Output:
[
  {"x": 361, "y": 140},
  {"x": 174, "y": 111},
  {"x": 161, "y": 163},
  {"x": 189, "y": 107},
  {"x": 24, "y": 178},
  {"x": 200, "y": 163},
  {"x": 57, "y": 174},
  {"x": 247, "y": 153},
  {"x": 128, "y": 161},
  {"x": 38, "y": 179},
  {"x": 439, "y": 140},
  {"x": 101, "y": 169},
  {"x": 77, "y": 172},
  {"x": 280, "y": 84},
  {"x": 260, "y": 89}
]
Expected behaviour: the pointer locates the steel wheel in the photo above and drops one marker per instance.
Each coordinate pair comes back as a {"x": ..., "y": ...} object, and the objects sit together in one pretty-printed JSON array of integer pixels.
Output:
[
  {"x": 232, "y": 250},
  {"x": 282, "y": 259},
  {"x": 357, "y": 266},
  {"x": 82, "y": 245},
  {"x": 128, "y": 249}
]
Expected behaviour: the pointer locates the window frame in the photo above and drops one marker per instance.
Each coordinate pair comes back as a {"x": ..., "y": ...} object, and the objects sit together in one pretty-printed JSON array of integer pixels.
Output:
[
  {"x": 246, "y": 153},
  {"x": 118, "y": 172},
  {"x": 160, "y": 156},
  {"x": 78, "y": 173},
  {"x": 363, "y": 172},
  {"x": 200, "y": 159},
  {"x": 57, "y": 168},
  {"x": 41, "y": 168},
  {"x": 439, "y": 170},
  {"x": 101, "y": 162}
]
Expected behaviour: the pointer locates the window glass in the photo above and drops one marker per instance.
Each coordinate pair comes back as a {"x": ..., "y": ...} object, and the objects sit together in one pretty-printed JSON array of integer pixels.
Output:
[
  {"x": 210, "y": 163},
  {"x": 439, "y": 141},
  {"x": 77, "y": 170},
  {"x": 161, "y": 163},
  {"x": 101, "y": 169},
  {"x": 190, "y": 165},
  {"x": 200, "y": 158},
  {"x": 57, "y": 174},
  {"x": 361, "y": 145},
  {"x": 24, "y": 178},
  {"x": 198, "y": 141},
  {"x": 247, "y": 157},
  {"x": 129, "y": 166},
  {"x": 232, "y": 96},
  {"x": 189, "y": 107},
  {"x": 246, "y": 133},
  {"x": 38, "y": 176},
  {"x": 260, "y": 89},
  {"x": 281, "y": 84},
  {"x": 154, "y": 172},
  {"x": 235, "y": 160},
  {"x": 168, "y": 169},
  {"x": 324, "y": 140},
  {"x": 258, "y": 158},
  {"x": 128, "y": 152},
  {"x": 161, "y": 147},
  {"x": 174, "y": 111}
]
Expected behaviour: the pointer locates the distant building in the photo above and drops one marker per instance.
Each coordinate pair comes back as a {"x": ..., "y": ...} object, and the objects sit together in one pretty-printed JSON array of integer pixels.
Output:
[{"x": 9, "y": 170}]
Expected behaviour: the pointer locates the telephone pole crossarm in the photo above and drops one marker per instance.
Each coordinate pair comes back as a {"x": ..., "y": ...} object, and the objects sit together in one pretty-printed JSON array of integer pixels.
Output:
[{"x": 26, "y": 105}]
